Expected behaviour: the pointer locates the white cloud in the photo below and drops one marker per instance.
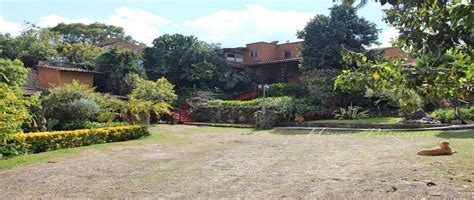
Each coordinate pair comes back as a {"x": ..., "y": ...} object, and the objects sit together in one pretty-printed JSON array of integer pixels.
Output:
[
  {"x": 387, "y": 36},
  {"x": 255, "y": 23},
  {"x": 142, "y": 26},
  {"x": 52, "y": 20},
  {"x": 10, "y": 27}
]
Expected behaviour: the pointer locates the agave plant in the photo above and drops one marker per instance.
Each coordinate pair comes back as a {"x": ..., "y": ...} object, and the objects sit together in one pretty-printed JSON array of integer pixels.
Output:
[{"x": 351, "y": 112}]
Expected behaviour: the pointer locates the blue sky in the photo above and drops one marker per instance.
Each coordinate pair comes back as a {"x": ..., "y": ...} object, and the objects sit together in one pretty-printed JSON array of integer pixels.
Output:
[{"x": 229, "y": 22}]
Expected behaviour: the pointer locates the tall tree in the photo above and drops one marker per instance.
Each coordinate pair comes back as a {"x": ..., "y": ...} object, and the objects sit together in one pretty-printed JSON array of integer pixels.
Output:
[
  {"x": 324, "y": 39},
  {"x": 190, "y": 63},
  {"x": 81, "y": 55},
  {"x": 117, "y": 65},
  {"x": 325, "y": 36},
  {"x": 90, "y": 33},
  {"x": 32, "y": 45}
]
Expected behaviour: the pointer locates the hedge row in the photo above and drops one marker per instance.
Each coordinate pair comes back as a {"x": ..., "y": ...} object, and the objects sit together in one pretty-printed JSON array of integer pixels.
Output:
[{"x": 48, "y": 141}]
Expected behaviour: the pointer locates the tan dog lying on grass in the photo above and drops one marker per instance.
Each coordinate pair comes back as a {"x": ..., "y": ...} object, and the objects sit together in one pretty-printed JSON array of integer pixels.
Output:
[{"x": 442, "y": 149}]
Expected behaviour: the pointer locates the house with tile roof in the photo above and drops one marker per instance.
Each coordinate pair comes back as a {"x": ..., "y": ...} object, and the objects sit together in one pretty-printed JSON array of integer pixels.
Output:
[
  {"x": 47, "y": 75},
  {"x": 270, "y": 62}
]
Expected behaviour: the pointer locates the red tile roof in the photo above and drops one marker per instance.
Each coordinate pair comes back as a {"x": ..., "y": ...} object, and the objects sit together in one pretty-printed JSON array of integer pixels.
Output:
[
  {"x": 63, "y": 67},
  {"x": 274, "y": 61}
]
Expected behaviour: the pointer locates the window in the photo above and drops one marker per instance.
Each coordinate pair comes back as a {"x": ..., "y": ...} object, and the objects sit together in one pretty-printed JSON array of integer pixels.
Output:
[
  {"x": 287, "y": 54},
  {"x": 254, "y": 53}
]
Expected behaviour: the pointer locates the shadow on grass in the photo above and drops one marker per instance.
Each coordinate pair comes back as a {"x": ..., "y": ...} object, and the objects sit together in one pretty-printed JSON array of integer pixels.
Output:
[{"x": 457, "y": 134}]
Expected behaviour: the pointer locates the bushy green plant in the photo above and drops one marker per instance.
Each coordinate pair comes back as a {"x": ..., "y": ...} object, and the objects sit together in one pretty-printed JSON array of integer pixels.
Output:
[
  {"x": 71, "y": 104},
  {"x": 75, "y": 113},
  {"x": 110, "y": 109},
  {"x": 446, "y": 115},
  {"x": 13, "y": 72},
  {"x": 351, "y": 112},
  {"x": 287, "y": 89}
]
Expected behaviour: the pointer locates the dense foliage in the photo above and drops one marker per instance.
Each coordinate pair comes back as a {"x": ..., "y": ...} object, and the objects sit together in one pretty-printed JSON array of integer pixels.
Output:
[
  {"x": 325, "y": 36},
  {"x": 440, "y": 36},
  {"x": 13, "y": 105},
  {"x": 71, "y": 105},
  {"x": 447, "y": 115},
  {"x": 117, "y": 65},
  {"x": 94, "y": 33},
  {"x": 13, "y": 73},
  {"x": 190, "y": 63},
  {"x": 80, "y": 55},
  {"x": 149, "y": 97},
  {"x": 324, "y": 39},
  {"x": 48, "y": 141},
  {"x": 32, "y": 45},
  {"x": 287, "y": 89}
]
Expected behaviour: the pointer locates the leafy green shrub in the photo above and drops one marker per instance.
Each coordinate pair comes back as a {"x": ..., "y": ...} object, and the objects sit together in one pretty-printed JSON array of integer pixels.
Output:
[
  {"x": 446, "y": 115},
  {"x": 351, "y": 112},
  {"x": 72, "y": 105},
  {"x": 74, "y": 114},
  {"x": 287, "y": 89},
  {"x": 48, "y": 141}
]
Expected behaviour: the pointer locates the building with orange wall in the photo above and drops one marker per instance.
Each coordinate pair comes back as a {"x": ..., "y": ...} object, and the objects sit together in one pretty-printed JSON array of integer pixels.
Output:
[
  {"x": 47, "y": 75},
  {"x": 278, "y": 63},
  {"x": 269, "y": 62}
]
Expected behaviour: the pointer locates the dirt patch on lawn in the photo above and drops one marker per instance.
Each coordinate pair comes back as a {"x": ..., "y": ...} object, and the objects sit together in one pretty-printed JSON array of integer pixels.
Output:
[{"x": 233, "y": 163}]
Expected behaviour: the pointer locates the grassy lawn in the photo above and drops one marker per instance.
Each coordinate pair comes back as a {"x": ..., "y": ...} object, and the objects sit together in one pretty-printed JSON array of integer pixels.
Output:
[
  {"x": 378, "y": 120},
  {"x": 180, "y": 161}
]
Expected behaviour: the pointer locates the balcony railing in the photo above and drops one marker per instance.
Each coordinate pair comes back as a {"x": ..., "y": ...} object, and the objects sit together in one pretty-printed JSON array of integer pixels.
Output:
[{"x": 234, "y": 59}]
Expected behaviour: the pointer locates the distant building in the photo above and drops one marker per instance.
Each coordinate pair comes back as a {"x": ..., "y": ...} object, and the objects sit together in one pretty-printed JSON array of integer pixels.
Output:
[
  {"x": 395, "y": 52},
  {"x": 269, "y": 62}
]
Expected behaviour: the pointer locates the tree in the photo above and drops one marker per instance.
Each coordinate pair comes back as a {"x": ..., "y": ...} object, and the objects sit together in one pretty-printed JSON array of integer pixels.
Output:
[
  {"x": 32, "y": 45},
  {"x": 433, "y": 26},
  {"x": 81, "y": 55},
  {"x": 94, "y": 33},
  {"x": 115, "y": 64},
  {"x": 159, "y": 91},
  {"x": 325, "y": 37},
  {"x": 190, "y": 63},
  {"x": 440, "y": 33}
]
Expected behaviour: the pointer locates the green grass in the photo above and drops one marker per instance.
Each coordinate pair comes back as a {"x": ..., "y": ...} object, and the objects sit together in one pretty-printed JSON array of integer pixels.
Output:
[
  {"x": 156, "y": 135},
  {"x": 378, "y": 120}
]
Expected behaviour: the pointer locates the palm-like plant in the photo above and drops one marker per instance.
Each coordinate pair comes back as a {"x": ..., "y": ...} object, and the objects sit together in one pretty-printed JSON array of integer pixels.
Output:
[
  {"x": 139, "y": 111},
  {"x": 351, "y": 112}
]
